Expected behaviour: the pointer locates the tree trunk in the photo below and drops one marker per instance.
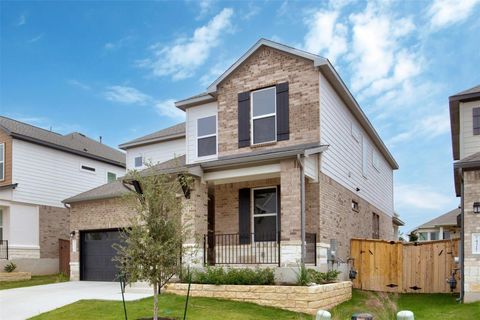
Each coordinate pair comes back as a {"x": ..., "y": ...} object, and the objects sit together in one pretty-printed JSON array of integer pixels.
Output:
[{"x": 155, "y": 301}]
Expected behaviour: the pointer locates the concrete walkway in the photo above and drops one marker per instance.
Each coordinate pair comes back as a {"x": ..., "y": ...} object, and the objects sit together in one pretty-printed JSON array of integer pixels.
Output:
[{"x": 23, "y": 303}]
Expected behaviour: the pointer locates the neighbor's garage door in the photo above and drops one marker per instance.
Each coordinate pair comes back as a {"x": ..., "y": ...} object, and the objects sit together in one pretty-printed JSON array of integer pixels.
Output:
[{"x": 97, "y": 253}]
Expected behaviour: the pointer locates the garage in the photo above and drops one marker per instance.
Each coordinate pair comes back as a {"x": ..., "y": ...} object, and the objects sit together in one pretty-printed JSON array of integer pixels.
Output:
[{"x": 96, "y": 254}]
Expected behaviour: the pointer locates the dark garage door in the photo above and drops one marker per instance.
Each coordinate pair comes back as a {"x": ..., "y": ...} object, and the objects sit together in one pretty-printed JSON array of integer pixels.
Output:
[{"x": 97, "y": 253}]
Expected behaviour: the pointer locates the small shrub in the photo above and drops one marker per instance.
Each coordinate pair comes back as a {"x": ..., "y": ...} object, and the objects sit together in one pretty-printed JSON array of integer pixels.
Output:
[
  {"x": 10, "y": 267},
  {"x": 243, "y": 276},
  {"x": 303, "y": 276},
  {"x": 306, "y": 276}
]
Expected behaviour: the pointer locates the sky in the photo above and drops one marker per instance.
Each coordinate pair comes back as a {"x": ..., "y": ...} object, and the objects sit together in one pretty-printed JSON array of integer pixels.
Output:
[{"x": 114, "y": 69}]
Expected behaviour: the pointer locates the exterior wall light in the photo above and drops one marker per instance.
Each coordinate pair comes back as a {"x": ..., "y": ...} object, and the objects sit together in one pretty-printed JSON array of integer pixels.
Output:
[{"x": 476, "y": 207}]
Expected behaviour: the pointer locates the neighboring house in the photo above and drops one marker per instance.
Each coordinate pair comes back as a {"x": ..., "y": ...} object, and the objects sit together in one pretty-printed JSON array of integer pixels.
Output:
[
  {"x": 440, "y": 228},
  {"x": 282, "y": 155},
  {"x": 465, "y": 125},
  {"x": 397, "y": 223},
  {"x": 38, "y": 169}
]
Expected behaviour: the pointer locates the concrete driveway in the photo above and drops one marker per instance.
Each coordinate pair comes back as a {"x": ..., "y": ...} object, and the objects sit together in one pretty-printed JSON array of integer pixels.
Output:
[{"x": 23, "y": 303}]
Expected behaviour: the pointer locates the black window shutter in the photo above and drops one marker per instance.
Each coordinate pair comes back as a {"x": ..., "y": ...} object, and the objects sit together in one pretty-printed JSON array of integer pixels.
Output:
[
  {"x": 243, "y": 119},
  {"x": 283, "y": 131},
  {"x": 244, "y": 215},
  {"x": 279, "y": 212},
  {"x": 476, "y": 121}
]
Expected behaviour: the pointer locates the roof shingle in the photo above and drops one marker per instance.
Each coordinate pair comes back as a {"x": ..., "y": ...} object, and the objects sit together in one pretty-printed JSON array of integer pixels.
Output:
[{"x": 173, "y": 132}]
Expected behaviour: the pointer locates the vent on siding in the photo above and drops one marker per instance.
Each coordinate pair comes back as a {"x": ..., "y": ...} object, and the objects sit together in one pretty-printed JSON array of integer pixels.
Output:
[{"x": 87, "y": 168}]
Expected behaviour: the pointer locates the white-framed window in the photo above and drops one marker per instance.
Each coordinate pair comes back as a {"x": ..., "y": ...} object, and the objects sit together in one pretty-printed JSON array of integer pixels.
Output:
[
  {"x": 264, "y": 213},
  {"x": 87, "y": 168},
  {"x": 264, "y": 115},
  {"x": 475, "y": 243},
  {"x": 2, "y": 161},
  {"x": 376, "y": 160},
  {"x": 423, "y": 236},
  {"x": 111, "y": 176},
  {"x": 138, "y": 161},
  {"x": 207, "y": 136}
]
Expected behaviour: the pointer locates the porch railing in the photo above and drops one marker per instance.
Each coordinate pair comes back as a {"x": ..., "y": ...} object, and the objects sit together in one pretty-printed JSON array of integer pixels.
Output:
[
  {"x": 235, "y": 248},
  {"x": 4, "y": 249}
]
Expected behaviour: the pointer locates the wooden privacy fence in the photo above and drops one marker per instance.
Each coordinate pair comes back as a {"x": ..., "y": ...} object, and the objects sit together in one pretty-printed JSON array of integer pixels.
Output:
[{"x": 393, "y": 266}]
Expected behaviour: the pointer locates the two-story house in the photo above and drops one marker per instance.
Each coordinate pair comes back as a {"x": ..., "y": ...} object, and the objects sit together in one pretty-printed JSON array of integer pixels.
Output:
[
  {"x": 465, "y": 126},
  {"x": 38, "y": 169},
  {"x": 287, "y": 169}
]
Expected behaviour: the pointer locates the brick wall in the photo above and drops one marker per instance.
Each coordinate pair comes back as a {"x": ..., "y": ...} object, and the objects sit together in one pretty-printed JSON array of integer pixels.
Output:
[
  {"x": 7, "y": 140},
  {"x": 266, "y": 67},
  {"x": 472, "y": 225},
  {"x": 338, "y": 220},
  {"x": 54, "y": 225}
]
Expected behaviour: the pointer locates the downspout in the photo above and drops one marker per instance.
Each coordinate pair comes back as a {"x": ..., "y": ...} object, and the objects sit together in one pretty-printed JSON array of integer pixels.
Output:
[
  {"x": 302, "y": 210},
  {"x": 462, "y": 239}
]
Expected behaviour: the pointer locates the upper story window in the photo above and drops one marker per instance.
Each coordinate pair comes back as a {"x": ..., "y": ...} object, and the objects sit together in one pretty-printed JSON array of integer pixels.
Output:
[
  {"x": 138, "y": 161},
  {"x": 264, "y": 115},
  {"x": 87, "y": 168},
  {"x": 2, "y": 161},
  {"x": 111, "y": 176},
  {"x": 207, "y": 136},
  {"x": 476, "y": 121}
]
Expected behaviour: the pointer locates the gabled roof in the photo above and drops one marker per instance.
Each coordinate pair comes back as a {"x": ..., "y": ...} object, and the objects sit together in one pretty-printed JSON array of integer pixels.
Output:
[
  {"x": 324, "y": 66},
  {"x": 447, "y": 219},
  {"x": 471, "y": 94},
  {"x": 117, "y": 189},
  {"x": 75, "y": 142},
  {"x": 174, "y": 132}
]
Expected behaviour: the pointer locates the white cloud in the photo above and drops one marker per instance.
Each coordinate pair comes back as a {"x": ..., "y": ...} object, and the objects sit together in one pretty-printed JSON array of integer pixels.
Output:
[
  {"x": 215, "y": 71},
  {"x": 127, "y": 95},
  {"x": 251, "y": 11},
  {"x": 22, "y": 19},
  {"x": 181, "y": 59},
  {"x": 35, "y": 39},
  {"x": 115, "y": 45},
  {"x": 420, "y": 197},
  {"x": 326, "y": 36},
  {"x": 79, "y": 84},
  {"x": 427, "y": 128},
  {"x": 130, "y": 95},
  {"x": 443, "y": 13}
]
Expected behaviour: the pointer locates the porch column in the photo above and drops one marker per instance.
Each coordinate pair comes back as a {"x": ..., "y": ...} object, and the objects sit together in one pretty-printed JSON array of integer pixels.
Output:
[
  {"x": 290, "y": 221},
  {"x": 194, "y": 218}
]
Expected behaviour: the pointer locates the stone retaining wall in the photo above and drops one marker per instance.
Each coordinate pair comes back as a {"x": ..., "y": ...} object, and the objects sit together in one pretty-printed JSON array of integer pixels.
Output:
[
  {"x": 294, "y": 298},
  {"x": 15, "y": 276}
]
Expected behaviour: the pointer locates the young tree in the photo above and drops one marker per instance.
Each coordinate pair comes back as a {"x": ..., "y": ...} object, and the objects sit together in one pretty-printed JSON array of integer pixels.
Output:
[
  {"x": 412, "y": 237},
  {"x": 152, "y": 244}
]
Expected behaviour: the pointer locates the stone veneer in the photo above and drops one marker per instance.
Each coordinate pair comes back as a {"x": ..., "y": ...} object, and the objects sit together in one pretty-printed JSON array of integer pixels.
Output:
[
  {"x": 267, "y": 67},
  {"x": 54, "y": 225},
  {"x": 471, "y": 225},
  {"x": 293, "y": 298}
]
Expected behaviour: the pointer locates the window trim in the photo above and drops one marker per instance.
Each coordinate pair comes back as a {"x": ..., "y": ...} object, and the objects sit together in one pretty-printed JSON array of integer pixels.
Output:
[
  {"x": 475, "y": 130},
  {"x": 106, "y": 174},
  {"x": 135, "y": 161},
  {"x": 252, "y": 212},
  {"x": 267, "y": 115},
  {"x": 197, "y": 137},
  {"x": 3, "y": 161}
]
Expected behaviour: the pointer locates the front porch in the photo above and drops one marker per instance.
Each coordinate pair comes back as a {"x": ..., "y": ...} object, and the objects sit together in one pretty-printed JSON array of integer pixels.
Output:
[{"x": 251, "y": 215}]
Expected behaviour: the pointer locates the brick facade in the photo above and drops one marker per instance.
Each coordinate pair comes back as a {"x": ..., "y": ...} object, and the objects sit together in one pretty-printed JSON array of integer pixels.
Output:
[
  {"x": 471, "y": 225},
  {"x": 267, "y": 67},
  {"x": 54, "y": 224},
  {"x": 338, "y": 220}
]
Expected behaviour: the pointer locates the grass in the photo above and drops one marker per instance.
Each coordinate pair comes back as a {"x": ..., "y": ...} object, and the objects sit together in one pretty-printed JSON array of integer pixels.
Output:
[
  {"x": 34, "y": 281},
  {"x": 383, "y": 306}
]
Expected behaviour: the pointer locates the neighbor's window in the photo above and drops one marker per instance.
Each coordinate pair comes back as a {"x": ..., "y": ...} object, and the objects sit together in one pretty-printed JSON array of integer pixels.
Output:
[
  {"x": 264, "y": 115},
  {"x": 138, "y": 161},
  {"x": 476, "y": 121},
  {"x": 433, "y": 235},
  {"x": 111, "y": 176},
  {"x": 355, "y": 206},
  {"x": 2, "y": 161},
  {"x": 207, "y": 136},
  {"x": 265, "y": 214},
  {"x": 423, "y": 236},
  {"x": 87, "y": 168},
  {"x": 376, "y": 226}
]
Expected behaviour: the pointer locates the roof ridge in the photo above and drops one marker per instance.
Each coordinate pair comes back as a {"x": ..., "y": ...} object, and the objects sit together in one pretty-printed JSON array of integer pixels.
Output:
[{"x": 31, "y": 125}]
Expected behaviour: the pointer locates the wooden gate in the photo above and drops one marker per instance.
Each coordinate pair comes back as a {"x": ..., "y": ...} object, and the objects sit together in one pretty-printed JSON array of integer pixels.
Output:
[
  {"x": 393, "y": 266},
  {"x": 64, "y": 257}
]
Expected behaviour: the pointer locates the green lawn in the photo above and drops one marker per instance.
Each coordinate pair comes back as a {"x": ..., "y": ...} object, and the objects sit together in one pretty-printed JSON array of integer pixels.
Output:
[
  {"x": 34, "y": 281},
  {"x": 382, "y": 306}
]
